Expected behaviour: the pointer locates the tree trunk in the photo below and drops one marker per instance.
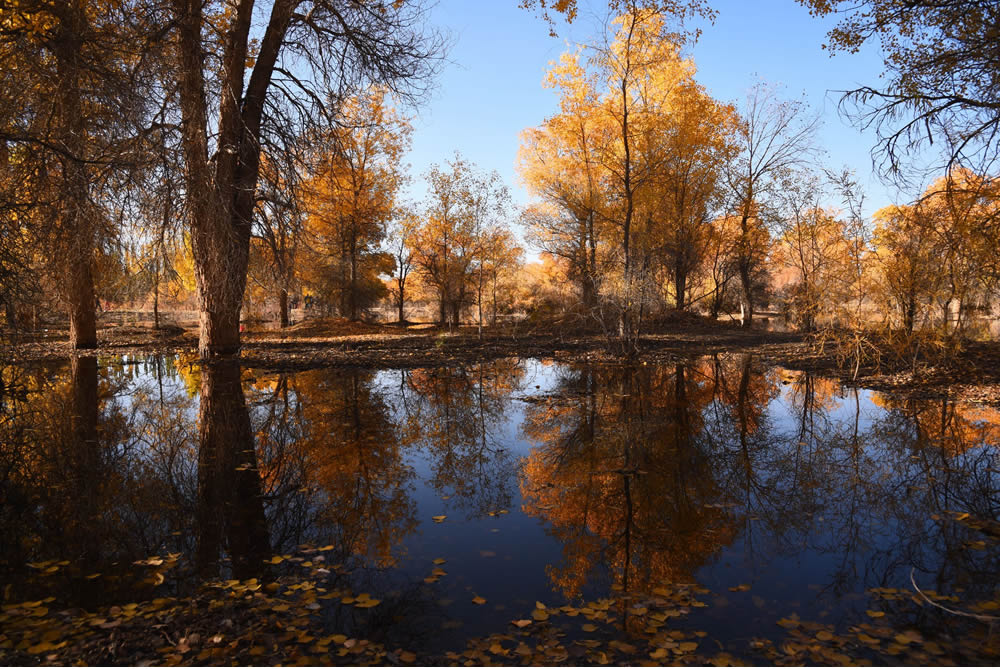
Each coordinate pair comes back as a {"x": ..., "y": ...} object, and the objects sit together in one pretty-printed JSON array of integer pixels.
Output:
[
  {"x": 83, "y": 313},
  {"x": 402, "y": 303},
  {"x": 221, "y": 189},
  {"x": 156, "y": 298},
  {"x": 75, "y": 223},
  {"x": 283, "y": 307},
  {"x": 680, "y": 286},
  {"x": 746, "y": 298}
]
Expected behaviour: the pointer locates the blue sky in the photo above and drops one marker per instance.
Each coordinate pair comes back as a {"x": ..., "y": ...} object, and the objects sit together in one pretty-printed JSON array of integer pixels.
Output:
[{"x": 491, "y": 89}]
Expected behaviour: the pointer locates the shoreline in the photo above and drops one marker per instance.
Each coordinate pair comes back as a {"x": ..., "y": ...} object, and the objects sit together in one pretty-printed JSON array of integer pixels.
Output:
[{"x": 973, "y": 375}]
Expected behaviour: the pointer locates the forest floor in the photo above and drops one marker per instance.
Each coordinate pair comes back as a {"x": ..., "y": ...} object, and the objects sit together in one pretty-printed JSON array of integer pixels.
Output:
[{"x": 972, "y": 374}]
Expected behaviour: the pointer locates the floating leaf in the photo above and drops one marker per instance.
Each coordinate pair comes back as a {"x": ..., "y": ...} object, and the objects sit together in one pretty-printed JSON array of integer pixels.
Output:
[
  {"x": 824, "y": 635},
  {"x": 478, "y": 600},
  {"x": 588, "y": 627},
  {"x": 520, "y": 623},
  {"x": 875, "y": 614},
  {"x": 438, "y": 519},
  {"x": 438, "y": 560}
]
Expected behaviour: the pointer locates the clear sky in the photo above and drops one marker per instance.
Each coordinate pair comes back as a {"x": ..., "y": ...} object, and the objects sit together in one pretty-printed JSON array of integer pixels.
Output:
[{"x": 491, "y": 89}]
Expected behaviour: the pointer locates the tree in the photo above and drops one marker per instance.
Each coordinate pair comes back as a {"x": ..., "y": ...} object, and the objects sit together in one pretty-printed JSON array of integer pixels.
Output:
[
  {"x": 697, "y": 144},
  {"x": 279, "y": 226},
  {"x": 558, "y": 163},
  {"x": 73, "y": 104},
  {"x": 939, "y": 253},
  {"x": 489, "y": 207},
  {"x": 445, "y": 245},
  {"x": 641, "y": 68},
  {"x": 773, "y": 137},
  {"x": 942, "y": 75},
  {"x": 343, "y": 46},
  {"x": 352, "y": 196},
  {"x": 812, "y": 245},
  {"x": 907, "y": 277},
  {"x": 399, "y": 243}
]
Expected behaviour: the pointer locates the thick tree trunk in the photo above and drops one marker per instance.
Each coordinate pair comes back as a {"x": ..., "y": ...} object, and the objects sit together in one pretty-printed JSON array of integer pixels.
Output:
[
  {"x": 75, "y": 225},
  {"x": 82, "y": 305},
  {"x": 221, "y": 190}
]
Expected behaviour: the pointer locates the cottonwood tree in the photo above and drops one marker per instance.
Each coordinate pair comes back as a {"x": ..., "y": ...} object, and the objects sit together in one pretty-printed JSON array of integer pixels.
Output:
[
  {"x": 559, "y": 163},
  {"x": 73, "y": 103},
  {"x": 942, "y": 76},
  {"x": 399, "y": 244},
  {"x": 230, "y": 76},
  {"x": 279, "y": 226},
  {"x": 352, "y": 196},
  {"x": 811, "y": 243},
  {"x": 773, "y": 136},
  {"x": 444, "y": 243},
  {"x": 695, "y": 140}
]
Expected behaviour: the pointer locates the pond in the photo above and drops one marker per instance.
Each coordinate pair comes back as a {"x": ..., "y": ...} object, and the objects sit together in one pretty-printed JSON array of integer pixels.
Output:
[{"x": 717, "y": 510}]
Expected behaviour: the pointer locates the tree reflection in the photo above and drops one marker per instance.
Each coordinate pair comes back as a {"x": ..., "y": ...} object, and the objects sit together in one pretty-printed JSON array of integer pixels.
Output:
[
  {"x": 623, "y": 478},
  {"x": 230, "y": 517},
  {"x": 458, "y": 414},
  {"x": 333, "y": 464}
]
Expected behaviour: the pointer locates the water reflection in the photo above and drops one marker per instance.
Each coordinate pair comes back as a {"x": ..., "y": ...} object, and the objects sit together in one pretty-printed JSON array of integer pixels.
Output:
[
  {"x": 720, "y": 471},
  {"x": 230, "y": 518}
]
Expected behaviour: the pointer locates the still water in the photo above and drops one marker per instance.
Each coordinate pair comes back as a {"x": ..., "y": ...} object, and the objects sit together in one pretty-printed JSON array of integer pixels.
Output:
[{"x": 461, "y": 496}]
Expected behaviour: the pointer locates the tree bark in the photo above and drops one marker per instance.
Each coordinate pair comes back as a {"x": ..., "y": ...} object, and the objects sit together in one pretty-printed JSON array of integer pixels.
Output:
[
  {"x": 221, "y": 191},
  {"x": 283, "y": 307},
  {"x": 75, "y": 224},
  {"x": 680, "y": 286}
]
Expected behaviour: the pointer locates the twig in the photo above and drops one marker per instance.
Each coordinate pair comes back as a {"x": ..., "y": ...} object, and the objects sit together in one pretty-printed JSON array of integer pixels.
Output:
[{"x": 977, "y": 616}]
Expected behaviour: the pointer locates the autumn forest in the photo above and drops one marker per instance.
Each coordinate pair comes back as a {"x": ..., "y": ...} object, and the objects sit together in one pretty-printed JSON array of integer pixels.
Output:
[{"x": 270, "y": 394}]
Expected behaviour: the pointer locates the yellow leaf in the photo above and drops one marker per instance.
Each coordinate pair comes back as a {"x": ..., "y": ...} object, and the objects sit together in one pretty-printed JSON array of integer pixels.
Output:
[
  {"x": 875, "y": 614},
  {"x": 588, "y": 627},
  {"x": 478, "y": 600},
  {"x": 438, "y": 519}
]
